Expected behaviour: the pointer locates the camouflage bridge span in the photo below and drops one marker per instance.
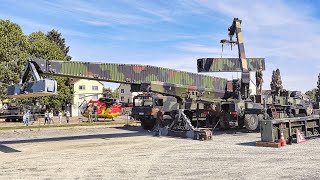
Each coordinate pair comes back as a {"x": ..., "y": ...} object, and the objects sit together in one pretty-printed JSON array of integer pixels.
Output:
[
  {"x": 127, "y": 73},
  {"x": 228, "y": 64}
]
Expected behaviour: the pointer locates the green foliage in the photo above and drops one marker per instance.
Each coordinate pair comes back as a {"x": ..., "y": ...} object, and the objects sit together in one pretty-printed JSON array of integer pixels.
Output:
[
  {"x": 107, "y": 91},
  {"x": 115, "y": 93},
  {"x": 110, "y": 93},
  {"x": 312, "y": 93},
  {"x": 13, "y": 54},
  {"x": 42, "y": 47},
  {"x": 16, "y": 48},
  {"x": 56, "y": 37}
]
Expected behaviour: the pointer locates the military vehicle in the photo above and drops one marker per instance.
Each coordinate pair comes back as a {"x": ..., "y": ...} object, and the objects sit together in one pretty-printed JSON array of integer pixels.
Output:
[
  {"x": 190, "y": 93},
  {"x": 14, "y": 112},
  {"x": 149, "y": 107},
  {"x": 197, "y": 94},
  {"x": 223, "y": 102},
  {"x": 281, "y": 103},
  {"x": 238, "y": 109}
]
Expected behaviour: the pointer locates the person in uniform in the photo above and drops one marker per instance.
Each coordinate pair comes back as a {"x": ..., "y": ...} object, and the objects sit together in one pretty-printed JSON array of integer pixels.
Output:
[
  {"x": 259, "y": 80},
  {"x": 90, "y": 113}
]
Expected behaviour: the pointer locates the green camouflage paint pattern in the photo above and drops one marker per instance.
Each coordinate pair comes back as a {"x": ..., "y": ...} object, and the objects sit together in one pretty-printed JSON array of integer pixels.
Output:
[
  {"x": 228, "y": 64},
  {"x": 182, "y": 91},
  {"x": 127, "y": 73}
]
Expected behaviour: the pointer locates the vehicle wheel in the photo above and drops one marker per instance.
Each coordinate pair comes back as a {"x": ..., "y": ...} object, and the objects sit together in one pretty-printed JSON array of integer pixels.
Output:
[
  {"x": 148, "y": 124},
  {"x": 7, "y": 120},
  {"x": 251, "y": 121},
  {"x": 224, "y": 123}
]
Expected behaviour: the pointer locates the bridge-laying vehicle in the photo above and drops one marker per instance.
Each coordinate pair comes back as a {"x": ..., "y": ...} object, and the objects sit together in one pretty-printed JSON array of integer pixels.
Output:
[
  {"x": 195, "y": 94},
  {"x": 239, "y": 108},
  {"x": 168, "y": 82},
  {"x": 189, "y": 96}
]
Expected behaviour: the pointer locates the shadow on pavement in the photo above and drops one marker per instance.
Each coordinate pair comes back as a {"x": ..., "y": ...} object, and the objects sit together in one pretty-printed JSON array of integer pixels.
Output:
[
  {"x": 253, "y": 143},
  {"x": 236, "y": 131},
  {"x": 68, "y": 138},
  {"x": 6, "y": 149},
  {"x": 132, "y": 128}
]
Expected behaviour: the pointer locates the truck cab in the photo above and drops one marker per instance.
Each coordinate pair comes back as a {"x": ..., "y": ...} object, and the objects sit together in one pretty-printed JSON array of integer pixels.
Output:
[{"x": 148, "y": 107}]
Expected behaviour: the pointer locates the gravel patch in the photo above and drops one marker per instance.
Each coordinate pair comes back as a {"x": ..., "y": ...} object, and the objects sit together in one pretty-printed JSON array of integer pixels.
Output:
[{"x": 132, "y": 153}]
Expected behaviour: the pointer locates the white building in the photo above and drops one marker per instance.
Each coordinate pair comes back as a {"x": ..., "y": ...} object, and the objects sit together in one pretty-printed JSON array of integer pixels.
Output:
[
  {"x": 125, "y": 95},
  {"x": 85, "y": 90}
]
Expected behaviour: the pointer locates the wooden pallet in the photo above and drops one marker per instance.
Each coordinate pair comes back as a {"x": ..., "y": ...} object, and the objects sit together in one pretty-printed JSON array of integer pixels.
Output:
[{"x": 268, "y": 144}]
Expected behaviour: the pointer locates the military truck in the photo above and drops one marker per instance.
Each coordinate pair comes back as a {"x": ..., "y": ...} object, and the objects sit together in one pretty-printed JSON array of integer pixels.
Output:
[
  {"x": 286, "y": 104},
  {"x": 238, "y": 109},
  {"x": 147, "y": 107},
  {"x": 13, "y": 113}
]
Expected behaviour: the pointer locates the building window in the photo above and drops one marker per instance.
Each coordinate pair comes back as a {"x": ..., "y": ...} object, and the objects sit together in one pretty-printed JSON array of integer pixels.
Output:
[
  {"x": 95, "y": 88},
  {"x": 81, "y": 96},
  {"x": 122, "y": 98},
  {"x": 122, "y": 91},
  {"x": 82, "y": 87},
  {"x": 95, "y": 97}
]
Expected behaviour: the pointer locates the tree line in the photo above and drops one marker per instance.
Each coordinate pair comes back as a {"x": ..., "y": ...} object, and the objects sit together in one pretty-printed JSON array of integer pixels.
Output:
[{"x": 15, "y": 50}]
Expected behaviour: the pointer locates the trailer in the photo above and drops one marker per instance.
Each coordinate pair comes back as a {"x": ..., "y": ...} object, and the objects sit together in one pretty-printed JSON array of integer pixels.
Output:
[{"x": 309, "y": 126}]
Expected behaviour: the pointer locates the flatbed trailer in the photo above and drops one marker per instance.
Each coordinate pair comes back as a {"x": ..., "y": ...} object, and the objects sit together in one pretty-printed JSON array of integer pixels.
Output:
[{"x": 309, "y": 126}]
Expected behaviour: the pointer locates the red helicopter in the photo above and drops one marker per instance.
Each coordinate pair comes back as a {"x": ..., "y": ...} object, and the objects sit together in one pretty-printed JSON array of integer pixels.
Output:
[{"x": 107, "y": 108}]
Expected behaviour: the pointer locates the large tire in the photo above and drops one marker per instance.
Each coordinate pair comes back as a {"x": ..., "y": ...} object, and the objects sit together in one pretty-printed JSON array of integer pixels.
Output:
[
  {"x": 251, "y": 121},
  {"x": 148, "y": 124},
  {"x": 7, "y": 120}
]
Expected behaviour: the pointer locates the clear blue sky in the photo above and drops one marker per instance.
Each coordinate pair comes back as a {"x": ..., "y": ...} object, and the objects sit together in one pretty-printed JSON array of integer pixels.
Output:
[{"x": 174, "y": 34}]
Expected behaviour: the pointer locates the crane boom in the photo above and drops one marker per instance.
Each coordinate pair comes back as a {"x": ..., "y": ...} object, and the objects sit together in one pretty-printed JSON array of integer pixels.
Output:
[{"x": 241, "y": 64}]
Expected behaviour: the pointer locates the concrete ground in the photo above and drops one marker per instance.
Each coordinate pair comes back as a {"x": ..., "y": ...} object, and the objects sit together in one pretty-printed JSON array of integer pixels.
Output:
[{"x": 132, "y": 153}]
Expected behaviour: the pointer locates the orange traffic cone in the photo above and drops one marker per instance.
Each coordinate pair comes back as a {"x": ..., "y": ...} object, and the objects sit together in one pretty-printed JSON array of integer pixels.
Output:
[{"x": 282, "y": 141}]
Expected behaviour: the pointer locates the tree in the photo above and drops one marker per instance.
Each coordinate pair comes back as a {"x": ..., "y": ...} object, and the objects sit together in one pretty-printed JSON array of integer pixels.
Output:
[
  {"x": 56, "y": 37},
  {"x": 115, "y": 93},
  {"x": 112, "y": 94},
  {"x": 43, "y": 47},
  {"x": 13, "y": 54},
  {"x": 16, "y": 48},
  {"x": 107, "y": 92},
  {"x": 312, "y": 93},
  {"x": 276, "y": 82}
]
